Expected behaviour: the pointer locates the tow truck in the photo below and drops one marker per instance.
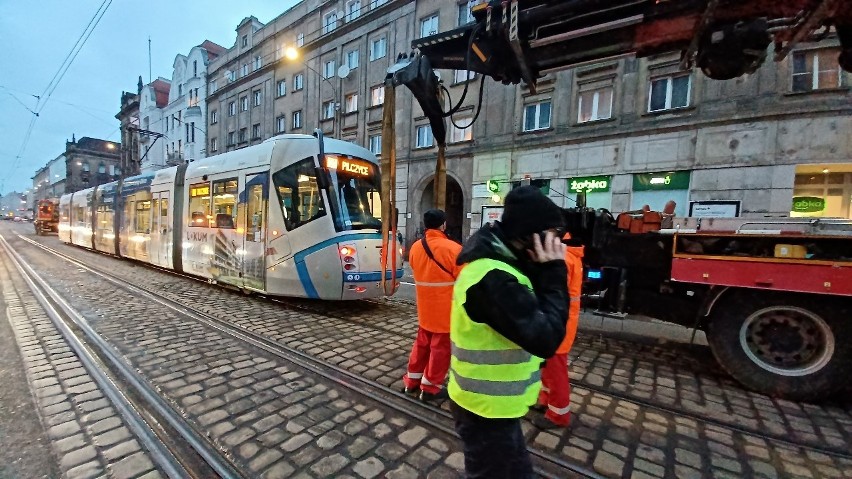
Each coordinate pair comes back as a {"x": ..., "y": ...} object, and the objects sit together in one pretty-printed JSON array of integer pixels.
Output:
[
  {"x": 774, "y": 296},
  {"x": 47, "y": 216}
]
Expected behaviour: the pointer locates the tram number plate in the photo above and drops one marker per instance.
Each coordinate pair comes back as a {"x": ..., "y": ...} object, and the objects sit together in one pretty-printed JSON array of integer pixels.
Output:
[{"x": 353, "y": 277}]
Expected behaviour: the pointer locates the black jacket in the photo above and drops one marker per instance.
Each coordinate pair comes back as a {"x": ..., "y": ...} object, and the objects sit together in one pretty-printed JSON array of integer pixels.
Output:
[{"x": 534, "y": 320}]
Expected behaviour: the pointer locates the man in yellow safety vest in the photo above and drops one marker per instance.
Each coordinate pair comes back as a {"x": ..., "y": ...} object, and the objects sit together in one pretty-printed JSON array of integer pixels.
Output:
[{"x": 510, "y": 306}]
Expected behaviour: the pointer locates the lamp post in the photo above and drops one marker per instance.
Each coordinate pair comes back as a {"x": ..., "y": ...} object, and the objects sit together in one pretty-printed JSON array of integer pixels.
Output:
[{"x": 293, "y": 54}]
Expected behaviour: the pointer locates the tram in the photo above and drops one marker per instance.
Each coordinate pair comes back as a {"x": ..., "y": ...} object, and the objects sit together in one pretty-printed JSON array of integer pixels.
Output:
[{"x": 297, "y": 215}]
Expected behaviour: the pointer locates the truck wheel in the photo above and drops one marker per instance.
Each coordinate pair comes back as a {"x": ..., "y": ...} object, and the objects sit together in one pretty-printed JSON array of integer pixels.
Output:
[{"x": 791, "y": 346}]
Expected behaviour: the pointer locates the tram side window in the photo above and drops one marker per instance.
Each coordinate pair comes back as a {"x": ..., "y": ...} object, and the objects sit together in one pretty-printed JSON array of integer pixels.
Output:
[
  {"x": 64, "y": 211},
  {"x": 105, "y": 218},
  {"x": 298, "y": 194},
  {"x": 143, "y": 216},
  {"x": 199, "y": 204},
  {"x": 80, "y": 215},
  {"x": 254, "y": 228},
  {"x": 224, "y": 202}
]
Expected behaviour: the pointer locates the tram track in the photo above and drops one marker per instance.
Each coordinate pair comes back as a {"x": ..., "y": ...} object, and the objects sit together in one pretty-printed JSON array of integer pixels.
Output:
[
  {"x": 154, "y": 423},
  {"x": 546, "y": 465},
  {"x": 597, "y": 389}
]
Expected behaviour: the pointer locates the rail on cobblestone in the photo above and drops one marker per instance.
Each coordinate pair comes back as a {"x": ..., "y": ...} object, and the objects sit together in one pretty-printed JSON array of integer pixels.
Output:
[
  {"x": 111, "y": 373},
  {"x": 622, "y": 412},
  {"x": 547, "y": 465}
]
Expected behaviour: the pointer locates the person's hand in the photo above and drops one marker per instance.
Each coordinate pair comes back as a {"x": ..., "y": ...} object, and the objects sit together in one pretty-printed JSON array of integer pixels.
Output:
[{"x": 551, "y": 249}]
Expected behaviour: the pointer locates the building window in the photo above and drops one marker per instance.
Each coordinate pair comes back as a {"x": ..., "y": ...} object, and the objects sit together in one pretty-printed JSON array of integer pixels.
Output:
[
  {"x": 231, "y": 75},
  {"x": 375, "y": 142},
  {"x": 214, "y": 117},
  {"x": 379, "y": 3},
  {"x": 232, "y": 108},
  {"x": 180, "y": 90},
  {"x": 465, "y": 16},
  {"x": 465, "y": 133},
  {"x": 258, "y": 62},
  {"x": 353, "y": 10},
  {"x": 214, "y": 144},
  {"x": 195, "y": 68},
  {"x": 377, "y": 95},
  {"x": 537, "y": 116},
  {"x": 298, "y": 82},
  {"x": 244, "y": 70},
  {"x": 461, "y": 76},
  {"x": 816, "y": 70},
  {"x": 351, "y": 103},
  {"x": 378, "y": 48},
  {"x": 213, "y": 86},
  {"x": 429, "y": 25},
  {"x": 669, "y": 92},
  {"x": 352, "y": 59},
  {"x": 300, "y": 39},
  {"x": 231, "y": 141},
  {"x": 192, "y": 132},
  {"x": 297, "y": 119},
  {"x": 256, "y": 97},
  {"x": 328, "y": 69},
  {"x": 243, "y": 135},
  {"x": 328, "y": 110},
  {"x": 594, "y": 105},
  {"x": 424, "y": 136},
  {"x": 281, "y": 124},
  {"x": 244, "y": 103},
  {"x": 329, "y": 23},
  {"x": 255, "y": 131},
  {"x": 245, "y": 40}
]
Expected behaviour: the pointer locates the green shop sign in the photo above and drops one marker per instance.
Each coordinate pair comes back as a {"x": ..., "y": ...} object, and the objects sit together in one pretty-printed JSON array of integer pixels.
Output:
[
  {"x": 589, "y": 184},
  {"x": 672, "y": 180},
  {"x": 808, "y": 204}
]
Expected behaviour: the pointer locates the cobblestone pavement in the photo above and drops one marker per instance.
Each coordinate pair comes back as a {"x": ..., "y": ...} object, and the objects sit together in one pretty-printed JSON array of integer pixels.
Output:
[
  {"x": 88, "y": 436},
  {"x": 640, "y": 410},
  {"x": 267, "y": 416}
]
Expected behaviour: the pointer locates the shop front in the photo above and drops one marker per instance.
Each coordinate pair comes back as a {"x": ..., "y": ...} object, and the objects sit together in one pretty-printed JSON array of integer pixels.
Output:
[
  {"x": 822, "y": 191},
  {"x": 656, "y": 189},
  {"x": 596, "y": 188}
]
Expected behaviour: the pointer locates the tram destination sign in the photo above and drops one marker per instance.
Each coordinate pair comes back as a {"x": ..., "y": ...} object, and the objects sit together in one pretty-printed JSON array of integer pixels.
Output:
[{"x": 349, "y": 165}]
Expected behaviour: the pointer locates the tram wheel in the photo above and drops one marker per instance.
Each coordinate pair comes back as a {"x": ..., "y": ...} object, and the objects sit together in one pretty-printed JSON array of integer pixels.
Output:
[{"x": 791, "y": 346}]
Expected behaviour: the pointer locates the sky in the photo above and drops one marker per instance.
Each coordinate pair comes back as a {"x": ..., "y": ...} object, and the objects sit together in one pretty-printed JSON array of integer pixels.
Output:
[{"x": 38, "y": 36}]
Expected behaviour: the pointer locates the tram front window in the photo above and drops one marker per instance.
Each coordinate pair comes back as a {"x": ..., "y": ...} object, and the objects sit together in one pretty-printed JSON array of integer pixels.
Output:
[
  {"x": 355, "y": 193},
  {"x": 299, "y": 194}
]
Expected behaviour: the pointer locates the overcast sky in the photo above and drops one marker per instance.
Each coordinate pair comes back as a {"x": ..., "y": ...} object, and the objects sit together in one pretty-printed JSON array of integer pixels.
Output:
[{"x": 37, "y": 37}]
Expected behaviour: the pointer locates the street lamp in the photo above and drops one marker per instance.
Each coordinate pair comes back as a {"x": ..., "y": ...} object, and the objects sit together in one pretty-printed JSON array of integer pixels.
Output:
[{"x": 291, "y": 53}]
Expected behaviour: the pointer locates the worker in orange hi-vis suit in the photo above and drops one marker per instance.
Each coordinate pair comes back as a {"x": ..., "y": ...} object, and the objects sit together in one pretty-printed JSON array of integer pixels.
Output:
[
  {"x": 555, "y": 395},
  {"x": 433, "y": 261}
]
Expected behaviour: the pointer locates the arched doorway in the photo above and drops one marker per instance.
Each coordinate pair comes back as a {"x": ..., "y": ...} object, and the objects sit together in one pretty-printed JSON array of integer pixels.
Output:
[{"x": 455, "y": 207}]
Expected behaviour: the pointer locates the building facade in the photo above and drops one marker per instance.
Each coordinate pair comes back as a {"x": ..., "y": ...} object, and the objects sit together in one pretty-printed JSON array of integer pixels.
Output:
[
  {"x": 49, "y": 180},
  {"x": 90, "y": 162},
  {"x": 626, "y": 133},
  {"x": 177, "y": 121},
  {"x": 128, "y": 116},
  {"x": 14, "y": 204}
]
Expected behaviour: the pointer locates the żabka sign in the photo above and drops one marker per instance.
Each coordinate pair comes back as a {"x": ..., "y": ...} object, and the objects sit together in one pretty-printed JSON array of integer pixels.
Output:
[
  {"x": 808, "y": 204},
  {"x": 589, "y": 184}
]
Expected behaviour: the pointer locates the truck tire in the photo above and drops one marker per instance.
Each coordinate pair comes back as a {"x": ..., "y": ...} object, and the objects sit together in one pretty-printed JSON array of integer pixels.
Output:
[{"x": 792, "y": 346}]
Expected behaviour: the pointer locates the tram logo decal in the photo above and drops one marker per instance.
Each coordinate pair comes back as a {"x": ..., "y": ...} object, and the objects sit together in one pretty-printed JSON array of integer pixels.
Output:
[{"x": 196, "y": 236}]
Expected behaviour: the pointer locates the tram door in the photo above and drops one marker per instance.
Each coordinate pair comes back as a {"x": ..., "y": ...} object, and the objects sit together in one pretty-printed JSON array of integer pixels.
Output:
[
  {"x": 161, "y": 230},
  {"x": 253, "y": 224}
]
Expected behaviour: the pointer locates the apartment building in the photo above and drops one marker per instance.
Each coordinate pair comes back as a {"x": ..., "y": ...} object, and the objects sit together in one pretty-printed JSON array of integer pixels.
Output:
[{"x": 627, "y": 132}]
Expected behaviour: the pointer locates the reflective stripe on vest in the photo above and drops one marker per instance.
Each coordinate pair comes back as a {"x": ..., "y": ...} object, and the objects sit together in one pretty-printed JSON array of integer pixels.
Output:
[{"x": 489, "y": 375}]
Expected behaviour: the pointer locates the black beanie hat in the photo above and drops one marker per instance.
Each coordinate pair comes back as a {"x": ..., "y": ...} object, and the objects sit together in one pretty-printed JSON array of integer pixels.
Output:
[
  {"x": 528, "y": 211},
  {"x": 433, "y": 219}
]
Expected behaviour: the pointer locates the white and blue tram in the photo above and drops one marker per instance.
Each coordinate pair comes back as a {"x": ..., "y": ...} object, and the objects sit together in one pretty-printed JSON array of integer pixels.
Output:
[{"x": 295, "y": 215}]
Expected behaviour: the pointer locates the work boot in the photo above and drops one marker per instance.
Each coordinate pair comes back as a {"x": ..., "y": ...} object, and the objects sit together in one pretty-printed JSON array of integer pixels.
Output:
[
  {"x": 538, "y": 407},
  {"x": 410, "y": 391},
  {"x": 436, "y": 397},
  {"x": 544, "y": 423}
]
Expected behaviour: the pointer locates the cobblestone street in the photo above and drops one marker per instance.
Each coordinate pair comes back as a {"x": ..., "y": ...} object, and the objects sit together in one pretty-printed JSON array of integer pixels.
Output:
[{"x": 643, "y": 408}]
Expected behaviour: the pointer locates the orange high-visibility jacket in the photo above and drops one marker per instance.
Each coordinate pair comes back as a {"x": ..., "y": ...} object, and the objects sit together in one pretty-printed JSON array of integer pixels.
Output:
[
  {"x": 434, "y": 286},
  {"x": 574, "y": 261}
]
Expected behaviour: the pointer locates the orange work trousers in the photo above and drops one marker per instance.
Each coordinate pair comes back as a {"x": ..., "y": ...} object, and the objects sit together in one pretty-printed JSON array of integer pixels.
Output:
[{"x": 429, "y": 362}]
